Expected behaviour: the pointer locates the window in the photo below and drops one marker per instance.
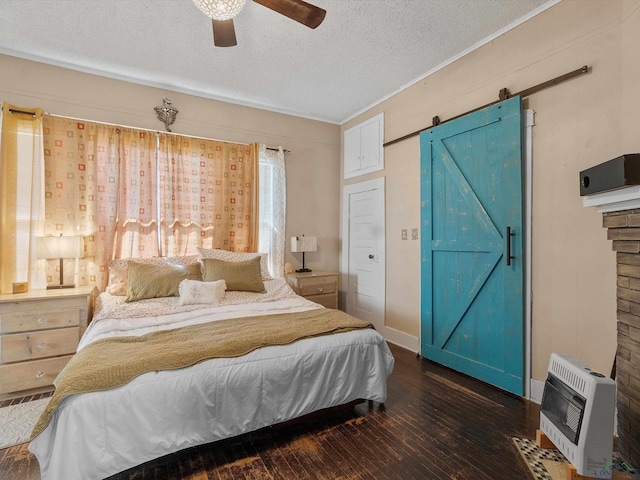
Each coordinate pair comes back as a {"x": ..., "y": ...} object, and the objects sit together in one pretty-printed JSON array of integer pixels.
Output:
[{"x": 272, "y": 203}]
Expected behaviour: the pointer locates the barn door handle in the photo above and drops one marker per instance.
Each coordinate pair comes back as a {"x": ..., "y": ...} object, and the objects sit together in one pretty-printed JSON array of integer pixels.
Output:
[{"x": 509, "y": 235}]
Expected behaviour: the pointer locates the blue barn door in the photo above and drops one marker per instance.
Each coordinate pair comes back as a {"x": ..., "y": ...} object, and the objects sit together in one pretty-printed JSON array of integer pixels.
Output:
[{"x": 471, "y": 224}]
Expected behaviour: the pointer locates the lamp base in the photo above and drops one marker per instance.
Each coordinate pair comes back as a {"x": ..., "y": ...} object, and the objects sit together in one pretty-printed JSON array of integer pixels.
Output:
[
  {"x": 303, "y": 270},
  {"x": 57, "y": 287}
]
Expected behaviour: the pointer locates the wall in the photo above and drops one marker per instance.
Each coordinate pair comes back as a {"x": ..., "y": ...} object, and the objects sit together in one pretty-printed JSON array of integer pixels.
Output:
[
  {"x": 580, "y": 123},
  {"x": 312, "y": 165}
]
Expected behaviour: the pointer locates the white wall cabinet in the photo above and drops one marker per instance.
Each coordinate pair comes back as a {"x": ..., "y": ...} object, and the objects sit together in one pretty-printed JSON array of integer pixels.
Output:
[{"x": 363, "y": 151}]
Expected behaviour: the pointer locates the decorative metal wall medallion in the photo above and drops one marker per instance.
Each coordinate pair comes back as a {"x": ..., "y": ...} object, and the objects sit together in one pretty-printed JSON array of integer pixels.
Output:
[{"x": 166, "y": 113}]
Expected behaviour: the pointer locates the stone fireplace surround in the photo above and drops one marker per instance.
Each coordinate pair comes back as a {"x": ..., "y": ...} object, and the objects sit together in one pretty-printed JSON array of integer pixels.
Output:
[
  {"x": 621, "y": 217},
  {"x": 623, "y": 228}
]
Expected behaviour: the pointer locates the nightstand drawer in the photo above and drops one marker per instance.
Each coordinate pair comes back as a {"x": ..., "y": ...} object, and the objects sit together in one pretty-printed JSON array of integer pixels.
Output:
[
  {"x": 38, "y": 344},
  {"x": 319, "y": 287},
  {"x": 38, "y": 320},
  {"x": 315, "y": 286},
  {"x": 329, "y": 300},
  {"x": 34, "y": 374}
]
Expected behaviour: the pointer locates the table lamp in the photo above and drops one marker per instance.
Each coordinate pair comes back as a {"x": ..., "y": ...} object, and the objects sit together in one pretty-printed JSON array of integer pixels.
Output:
[
  {"x": 304, "y": 244},
  {"x": 60, "y": 247}
]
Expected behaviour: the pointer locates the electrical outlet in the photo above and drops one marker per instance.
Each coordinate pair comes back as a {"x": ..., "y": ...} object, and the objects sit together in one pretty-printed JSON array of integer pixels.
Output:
[
  {"x": 414, "y": 234},
  {"x": 403, "y": 234}
]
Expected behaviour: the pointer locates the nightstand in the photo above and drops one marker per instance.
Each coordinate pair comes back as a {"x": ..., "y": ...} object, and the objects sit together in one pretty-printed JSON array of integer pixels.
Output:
[
  {"x": 39, "y": 333},
  {"x": 319, "y": 287}
]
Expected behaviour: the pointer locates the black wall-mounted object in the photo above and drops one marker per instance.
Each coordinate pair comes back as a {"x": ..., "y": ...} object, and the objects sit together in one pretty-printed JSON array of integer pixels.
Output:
[{"x": 623, "y": 171}]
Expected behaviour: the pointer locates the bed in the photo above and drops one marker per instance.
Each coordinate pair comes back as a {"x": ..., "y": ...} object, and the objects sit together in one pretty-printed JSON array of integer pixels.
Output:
[{"x": 271, "y": 356}]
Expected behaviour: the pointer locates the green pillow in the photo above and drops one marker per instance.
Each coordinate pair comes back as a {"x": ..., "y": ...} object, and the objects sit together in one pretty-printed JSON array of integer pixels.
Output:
[
  {"x": 145, "y": 280},
  {"x": 243, "y": 275}
]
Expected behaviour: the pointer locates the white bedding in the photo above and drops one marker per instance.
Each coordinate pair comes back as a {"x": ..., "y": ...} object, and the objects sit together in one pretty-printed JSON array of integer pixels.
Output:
[{"x": 95, "y": 435}]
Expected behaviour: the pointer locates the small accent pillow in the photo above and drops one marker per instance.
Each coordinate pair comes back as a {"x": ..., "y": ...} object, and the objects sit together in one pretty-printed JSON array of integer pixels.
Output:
[
  {"x": 243, "y": 276},
  {"x": 153, "y": 281},
  {"x": 194, "y": 292},
  {"x": 228, "y": 256}
]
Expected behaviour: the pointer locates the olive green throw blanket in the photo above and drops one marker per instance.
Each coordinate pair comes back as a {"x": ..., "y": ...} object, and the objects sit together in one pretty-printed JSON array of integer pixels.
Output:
[{"x": 112, "y": 362}]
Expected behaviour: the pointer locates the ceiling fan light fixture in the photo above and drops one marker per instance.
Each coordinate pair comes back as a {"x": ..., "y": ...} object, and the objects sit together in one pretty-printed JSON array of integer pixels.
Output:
[{"x": 220, "y": 9}]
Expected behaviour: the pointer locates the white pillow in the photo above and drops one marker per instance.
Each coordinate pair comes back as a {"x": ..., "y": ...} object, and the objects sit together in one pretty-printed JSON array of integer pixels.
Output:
[
  {"x": 228, "y": 256},
  {"x": 118, "y": 281},
  {"x": 194, "y": 292}
]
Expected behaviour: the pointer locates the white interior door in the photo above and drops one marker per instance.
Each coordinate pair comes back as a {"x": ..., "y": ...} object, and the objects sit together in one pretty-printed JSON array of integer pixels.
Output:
[{"x": 363, "y": 262}]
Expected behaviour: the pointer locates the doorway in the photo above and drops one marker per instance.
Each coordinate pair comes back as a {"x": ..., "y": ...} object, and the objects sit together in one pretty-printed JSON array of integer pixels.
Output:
[{"x": 363, "y": 251}]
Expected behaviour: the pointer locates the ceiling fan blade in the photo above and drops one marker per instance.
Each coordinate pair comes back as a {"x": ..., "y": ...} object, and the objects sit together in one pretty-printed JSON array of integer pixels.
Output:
[
  {"x": 298, "y": 10},
  {"x": 224, "y": 33}
]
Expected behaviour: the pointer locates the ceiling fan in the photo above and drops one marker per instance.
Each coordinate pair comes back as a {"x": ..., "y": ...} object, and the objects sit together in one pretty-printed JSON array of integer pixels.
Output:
[{"x": 222, "y": 12}]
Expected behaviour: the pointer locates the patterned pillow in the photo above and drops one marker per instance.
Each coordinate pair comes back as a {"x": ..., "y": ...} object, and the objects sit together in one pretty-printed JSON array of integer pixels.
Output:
[
  {"x": 181, "y": 260},
  {"x": 228, "y": 256},
  {"x": 118, "y": 271},
  {"x": 194, "y": 292},
  {"x": 147, "y": 280}
]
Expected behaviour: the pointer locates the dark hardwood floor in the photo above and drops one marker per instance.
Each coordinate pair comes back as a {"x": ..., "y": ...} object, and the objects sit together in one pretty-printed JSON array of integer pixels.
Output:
[{"x": 436, "y": 424}]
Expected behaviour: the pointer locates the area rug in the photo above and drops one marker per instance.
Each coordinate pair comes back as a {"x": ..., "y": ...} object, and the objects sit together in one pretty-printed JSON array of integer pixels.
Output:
[
  {"x": 550, "y": 464},
  {"x": 17, "y": 421},
  {"x": 535, "y": 458}
]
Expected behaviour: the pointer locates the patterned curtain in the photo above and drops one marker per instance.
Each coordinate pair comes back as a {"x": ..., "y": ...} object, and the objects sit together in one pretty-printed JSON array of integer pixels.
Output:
[
  {"x": 81, "y": 162},
  {"x": 273, "y": 202},
  {"x": 207, "y": 195},
  {"x": 135, "y": 193},
  {"x": 136, "y": 227},
  {"x": 21, "y": 196}
]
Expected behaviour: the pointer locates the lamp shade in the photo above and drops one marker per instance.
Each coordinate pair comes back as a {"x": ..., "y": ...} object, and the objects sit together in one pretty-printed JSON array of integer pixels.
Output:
[
  {"x": 60, "y": 247},
  {"x": 304, "y": 244}
]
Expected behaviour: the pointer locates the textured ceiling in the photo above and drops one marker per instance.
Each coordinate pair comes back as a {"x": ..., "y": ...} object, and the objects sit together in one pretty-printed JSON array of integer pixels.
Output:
[{"x": 364, "y": 50}]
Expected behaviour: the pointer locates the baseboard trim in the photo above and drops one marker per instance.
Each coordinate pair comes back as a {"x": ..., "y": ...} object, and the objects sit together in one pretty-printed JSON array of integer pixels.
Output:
[
  {"x": 401, "y": 339},
  {"x": 536, "y": 391}
]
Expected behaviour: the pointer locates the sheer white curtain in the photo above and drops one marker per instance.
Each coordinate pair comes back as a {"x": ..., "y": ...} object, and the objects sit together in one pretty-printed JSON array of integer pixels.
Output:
[{"x": 273, "y": 204}]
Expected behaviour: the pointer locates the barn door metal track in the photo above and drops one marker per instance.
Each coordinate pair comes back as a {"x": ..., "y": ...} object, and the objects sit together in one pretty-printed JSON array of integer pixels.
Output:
[{"x": 504, "y": 94}]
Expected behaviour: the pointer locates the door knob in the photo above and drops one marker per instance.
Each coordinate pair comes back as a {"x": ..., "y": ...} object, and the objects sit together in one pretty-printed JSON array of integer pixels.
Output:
[{"x": 371, "y": 257}]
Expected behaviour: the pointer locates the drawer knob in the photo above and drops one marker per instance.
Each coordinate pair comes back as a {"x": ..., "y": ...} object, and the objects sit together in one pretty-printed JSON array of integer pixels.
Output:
[
  {"x": 41, "y": 345},
  {"x": 320, "y": 289},
  {"x": 39, "y": 374},
  {"x": 41, "y": 320}
]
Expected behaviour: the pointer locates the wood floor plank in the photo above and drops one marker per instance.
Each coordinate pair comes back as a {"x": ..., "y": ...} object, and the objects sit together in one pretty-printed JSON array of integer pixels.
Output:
[
  {"x": 436, "y": 424},
  {"x": 276, "y": 463},
  {"x": 340, "y": 460}
]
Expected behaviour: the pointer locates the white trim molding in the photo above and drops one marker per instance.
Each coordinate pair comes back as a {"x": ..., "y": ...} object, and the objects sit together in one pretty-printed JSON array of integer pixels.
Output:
[
  {"x": 404, "y": 340},
  {"x": 536, "y": 391},
  {"x": 626, "y": 198}
]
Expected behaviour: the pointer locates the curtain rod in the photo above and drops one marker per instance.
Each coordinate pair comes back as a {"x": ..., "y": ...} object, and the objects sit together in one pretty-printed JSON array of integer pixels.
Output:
[
  {"x": 13, "y": 110},
  {"x": 156, "y": 131},
  {"x": 284, "y": 150}
]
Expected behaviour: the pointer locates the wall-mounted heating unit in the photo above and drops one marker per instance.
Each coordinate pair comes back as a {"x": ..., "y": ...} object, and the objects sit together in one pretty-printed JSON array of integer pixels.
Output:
[{"x": 577, "y": 414}]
